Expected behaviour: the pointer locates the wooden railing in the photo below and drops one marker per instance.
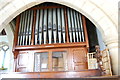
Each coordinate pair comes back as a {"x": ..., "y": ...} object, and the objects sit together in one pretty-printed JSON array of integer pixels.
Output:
[
  {"x": 106, "y": 62},
  {"x": 100, "y": 60}
]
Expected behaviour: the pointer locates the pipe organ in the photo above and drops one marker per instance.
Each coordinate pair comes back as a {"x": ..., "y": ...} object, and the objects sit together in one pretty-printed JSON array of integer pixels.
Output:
[
  {"x": 51, "y": 38},
  {"x": 49, "y": 26}
]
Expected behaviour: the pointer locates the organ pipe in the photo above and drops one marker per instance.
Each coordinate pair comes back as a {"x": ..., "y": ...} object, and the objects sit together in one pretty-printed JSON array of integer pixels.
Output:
[
  {"x": 79, "y": 31},
  {"x": 45, "y": 26},
  {"x": 37, "y": 28},
  {"x": 59, "y": 25},
  {"x": 20, "y": 30},
  {"x": 28, "y": 27},
  {"x": 40, "y": 26},
  {"x": 54, "y": 26},
  {"x": 50, "y": 26},
  {"x": 73, "y": 27},
  {"x": 81, "y": 27},
  {"x": 69, "y": 25},
  {"x": 75, "y": 24},
  {"x": 63, "y": 25}
]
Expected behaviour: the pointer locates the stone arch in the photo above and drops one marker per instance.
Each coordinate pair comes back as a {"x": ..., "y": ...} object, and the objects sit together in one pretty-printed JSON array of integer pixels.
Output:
[
  {"x": 85, "y": 7},
  {"x": 92, "y": 11}
]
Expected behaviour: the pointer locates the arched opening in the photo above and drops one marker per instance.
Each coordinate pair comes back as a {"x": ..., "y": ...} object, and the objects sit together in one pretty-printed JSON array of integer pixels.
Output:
[
  {"x": 101, "y": 30},
  {"x": 59, "y": 26},
  {"x": 92, "y": 31},
  {"x": 6, "y": 42}
]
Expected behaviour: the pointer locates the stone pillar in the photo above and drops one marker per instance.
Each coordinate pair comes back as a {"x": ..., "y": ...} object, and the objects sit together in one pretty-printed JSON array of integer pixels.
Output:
[
  {"x": 112, "y": 45},
  {"x": 10, "y": 36}
]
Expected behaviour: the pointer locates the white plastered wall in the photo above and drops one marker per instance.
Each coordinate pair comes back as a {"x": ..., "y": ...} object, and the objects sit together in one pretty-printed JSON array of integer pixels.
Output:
[{"x": 102, "y": 13}]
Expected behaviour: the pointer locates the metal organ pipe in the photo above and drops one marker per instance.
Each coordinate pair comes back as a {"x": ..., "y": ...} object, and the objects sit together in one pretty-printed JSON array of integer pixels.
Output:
[
  {"x": 37, "y": 28},
  {"x": 28, "y": 27},
  {"x": 76, "y": 32},
  {"x": 45, "y": 26},
  {"x": 54, "y": 26},
  {"x": 30, "y": 30},
  {"x": 59, "y": 24},
  {"x": 24, "y": 33},
  {"x": 50, "y": 26},
  {"x": 73, "y": 27},
  {"x": 52, "y": 38},
  {"x": 20, "y": 30},
  {"x": 23, "y": 29},
  {"x": 75, "y": 24},
  {"x": 38, "y": 31},
  {"x": 40, "y": 25},
  {"x": 81, "y": 27},
  {"x": 63, "y": 25},
  {"x": 69, "y": 25}
]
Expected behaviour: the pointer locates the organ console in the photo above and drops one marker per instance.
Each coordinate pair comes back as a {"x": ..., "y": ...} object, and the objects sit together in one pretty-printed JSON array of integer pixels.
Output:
[{"x": 51, "y": 39}]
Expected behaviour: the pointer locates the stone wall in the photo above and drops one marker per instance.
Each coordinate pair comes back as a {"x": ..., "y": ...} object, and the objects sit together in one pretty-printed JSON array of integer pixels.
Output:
[{"x": 102, "y": 13}]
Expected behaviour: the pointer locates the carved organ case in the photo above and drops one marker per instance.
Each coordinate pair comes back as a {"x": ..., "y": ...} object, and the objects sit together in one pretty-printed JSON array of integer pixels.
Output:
[{"x": 50, "y": 38}]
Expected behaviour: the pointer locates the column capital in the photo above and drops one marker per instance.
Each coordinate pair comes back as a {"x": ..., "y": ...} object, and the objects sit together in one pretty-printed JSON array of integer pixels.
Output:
[{"x": 111, "y": 41}]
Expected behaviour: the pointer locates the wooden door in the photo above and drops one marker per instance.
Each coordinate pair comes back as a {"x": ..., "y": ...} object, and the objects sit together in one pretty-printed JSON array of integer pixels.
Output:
[{"x": 79, "y": 58}]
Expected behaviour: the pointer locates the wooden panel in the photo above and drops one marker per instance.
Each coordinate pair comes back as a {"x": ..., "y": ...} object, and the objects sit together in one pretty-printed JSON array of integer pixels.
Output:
[
  {"x": 79, "y": 58},
  {"x": 21, "y": 69},
  {"x": 51, "y": 46},
  {"x": 22, "y": 62},
  {"x": 50, "y": 61},
  {"x": 79, "y": 55},
  {"x": 66, "y": 25},
  {"x": 85, "y": 31},
  {"x": 76, "y": 59},
  {"x": 79, "y": 67},
  {"x": 23, "y": 59},
  {"x": 16, "y": 33},
  {"x": 67, "y": 74}
]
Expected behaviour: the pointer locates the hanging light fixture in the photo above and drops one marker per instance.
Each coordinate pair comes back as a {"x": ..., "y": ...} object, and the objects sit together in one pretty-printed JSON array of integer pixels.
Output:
[{"x": 4, "y": 48}]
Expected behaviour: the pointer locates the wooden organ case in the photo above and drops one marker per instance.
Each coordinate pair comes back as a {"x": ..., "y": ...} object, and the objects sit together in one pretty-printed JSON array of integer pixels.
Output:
[{"x": 52, "y": 40}]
